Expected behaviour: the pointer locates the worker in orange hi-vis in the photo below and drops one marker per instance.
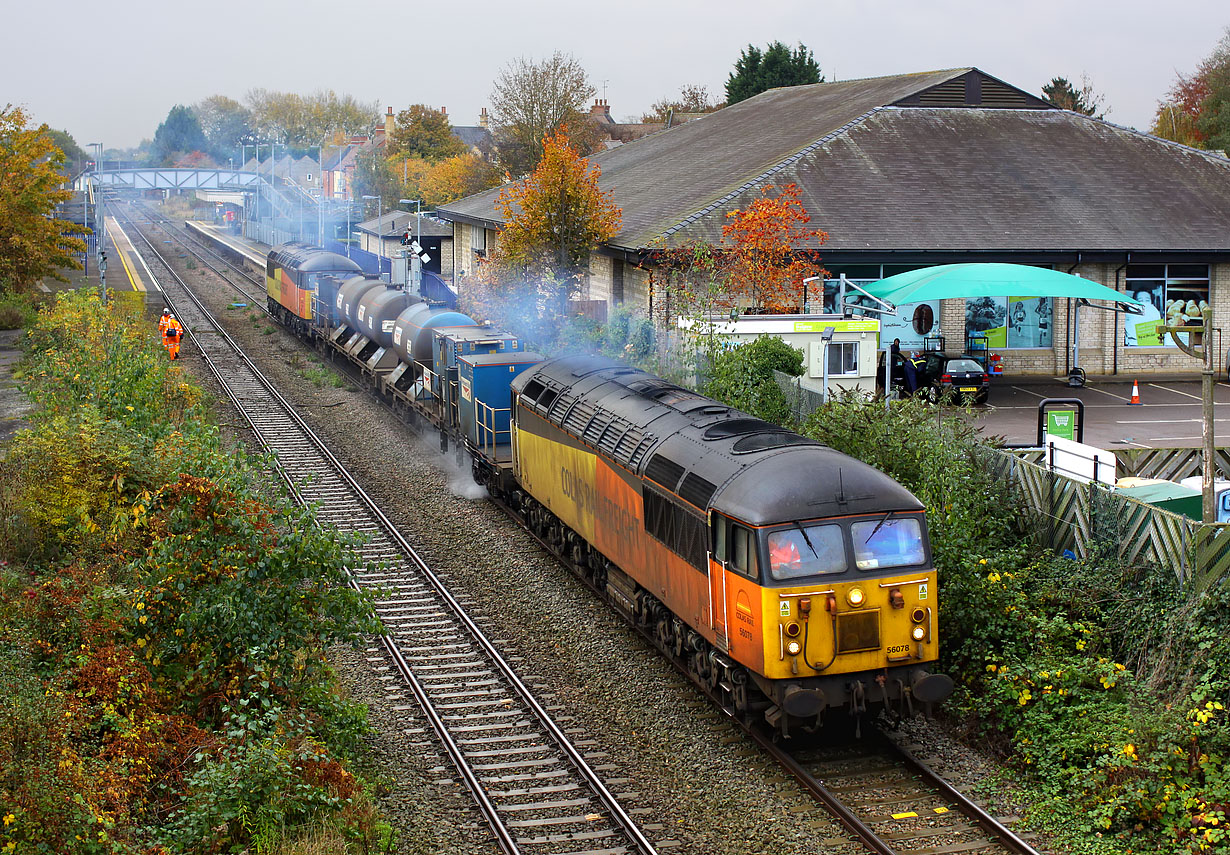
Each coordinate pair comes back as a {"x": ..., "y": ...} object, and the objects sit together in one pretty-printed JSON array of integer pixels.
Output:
[
  {"x": 162, "y": 322},
  {"x": 171, "y": 336}
]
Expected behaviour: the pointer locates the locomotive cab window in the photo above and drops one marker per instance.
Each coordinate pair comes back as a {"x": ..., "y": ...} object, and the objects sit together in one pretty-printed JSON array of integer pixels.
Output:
[
  {"x": 720, "y": 525},
  {"x": 888, "y": 542},
  {"x": 742, "y": 550},
  {"x": 813, "y": 550}
]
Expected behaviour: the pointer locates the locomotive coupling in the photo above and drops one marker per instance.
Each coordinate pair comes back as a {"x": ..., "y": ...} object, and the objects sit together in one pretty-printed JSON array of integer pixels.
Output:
[
  {"x": 803, "y": 703},
  {"x": 930, "y": 688}
]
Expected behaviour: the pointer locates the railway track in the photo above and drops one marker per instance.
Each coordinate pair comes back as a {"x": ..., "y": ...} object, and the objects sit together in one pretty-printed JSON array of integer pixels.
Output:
[
  {"x": 891, "y": 802},
  {"x": 887, "y": 799},
  {"x": 533, "y": 786},
  {"x": 244, "y": 283}
]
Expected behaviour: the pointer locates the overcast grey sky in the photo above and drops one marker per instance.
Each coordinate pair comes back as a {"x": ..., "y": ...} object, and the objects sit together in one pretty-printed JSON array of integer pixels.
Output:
[{"x": 109, "y": 72}]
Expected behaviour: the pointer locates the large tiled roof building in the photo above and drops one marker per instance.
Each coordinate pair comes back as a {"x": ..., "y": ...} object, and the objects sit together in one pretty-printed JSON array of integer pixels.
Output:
[{"x": 934, "y": 168}]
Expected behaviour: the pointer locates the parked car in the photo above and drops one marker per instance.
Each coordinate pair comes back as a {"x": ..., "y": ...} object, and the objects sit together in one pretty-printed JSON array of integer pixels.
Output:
[
  {"x": 898, "y": 372},
  {"x": 901, "y": 382},
  {"x": 961, "y": 377}
]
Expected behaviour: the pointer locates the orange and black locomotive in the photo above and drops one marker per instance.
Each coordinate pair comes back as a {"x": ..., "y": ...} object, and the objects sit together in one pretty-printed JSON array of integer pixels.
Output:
[{"x": 792, "y": 577}]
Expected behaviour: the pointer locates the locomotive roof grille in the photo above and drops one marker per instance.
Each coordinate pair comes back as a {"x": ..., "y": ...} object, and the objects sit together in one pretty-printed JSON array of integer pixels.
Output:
[
  {"x": 665, "y": 472},
  {"x": 631, "y": 447},
  {"x": 577, "y": 416},
  {"x": 697, "y": 490},
  {"x": 597, "y": 426}
]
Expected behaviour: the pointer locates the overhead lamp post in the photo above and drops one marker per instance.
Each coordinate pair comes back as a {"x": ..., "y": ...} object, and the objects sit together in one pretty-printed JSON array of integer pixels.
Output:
[
  {"x": 379, "y": 229},
  {"x": 320, "y": 193},
  {"x": 85, "y": 204},
  {"x": 100, "y": 241}
]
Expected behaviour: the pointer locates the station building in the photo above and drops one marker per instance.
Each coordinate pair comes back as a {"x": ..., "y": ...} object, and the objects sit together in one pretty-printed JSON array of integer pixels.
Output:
[{"x": 940, "y": 167}]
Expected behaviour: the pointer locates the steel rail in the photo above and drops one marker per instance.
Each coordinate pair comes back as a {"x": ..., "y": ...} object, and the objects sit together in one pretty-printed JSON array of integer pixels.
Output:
[{"x": 1005, "y": 837}]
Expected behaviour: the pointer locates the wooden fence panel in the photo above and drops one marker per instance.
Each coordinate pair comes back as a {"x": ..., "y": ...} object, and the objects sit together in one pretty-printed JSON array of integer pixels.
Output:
[{"x": 1083, "y": 517}]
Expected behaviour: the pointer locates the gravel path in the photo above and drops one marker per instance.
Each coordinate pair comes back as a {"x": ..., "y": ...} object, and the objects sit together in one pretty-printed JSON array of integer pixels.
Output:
[{"x": 698, "y": 785}]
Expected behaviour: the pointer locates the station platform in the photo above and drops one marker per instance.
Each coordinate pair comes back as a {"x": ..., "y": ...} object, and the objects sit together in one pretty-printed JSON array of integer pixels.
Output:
[
  {"x": 129, "y": 258},
  {"x": 253, "y": 252}
]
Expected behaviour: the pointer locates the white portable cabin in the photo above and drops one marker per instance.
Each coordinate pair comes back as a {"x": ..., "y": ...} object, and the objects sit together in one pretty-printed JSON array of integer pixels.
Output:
[{"x": 851, "y": 353}]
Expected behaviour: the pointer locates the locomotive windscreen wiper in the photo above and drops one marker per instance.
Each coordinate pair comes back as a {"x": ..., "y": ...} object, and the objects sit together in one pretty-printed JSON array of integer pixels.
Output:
[
  {"x": 878, "y": 525},
  {"x": 810, "y": 545}
]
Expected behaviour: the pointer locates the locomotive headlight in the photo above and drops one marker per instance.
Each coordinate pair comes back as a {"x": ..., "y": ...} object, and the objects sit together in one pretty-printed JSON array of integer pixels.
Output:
[
  {"x": 855, "y": 597},
  {"x": 918, "y": 633},
  {"x": 793, "y": 648},
  {"x": 792, "y": 629}
]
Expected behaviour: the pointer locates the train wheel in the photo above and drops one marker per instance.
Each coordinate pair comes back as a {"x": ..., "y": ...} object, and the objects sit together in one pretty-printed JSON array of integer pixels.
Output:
[
  {"x": 665, "y": 633},
  {"x": 738, "y": 691}
]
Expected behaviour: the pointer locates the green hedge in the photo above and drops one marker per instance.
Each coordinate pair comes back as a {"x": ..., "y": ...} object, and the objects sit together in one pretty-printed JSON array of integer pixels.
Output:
[{"x": 1103, "y": 685}]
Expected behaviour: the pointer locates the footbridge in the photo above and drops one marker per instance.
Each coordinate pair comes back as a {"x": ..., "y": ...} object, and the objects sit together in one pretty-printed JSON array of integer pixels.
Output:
[
  {"x": 172, "y": 179},
  {"x": 286, "y": 201}
]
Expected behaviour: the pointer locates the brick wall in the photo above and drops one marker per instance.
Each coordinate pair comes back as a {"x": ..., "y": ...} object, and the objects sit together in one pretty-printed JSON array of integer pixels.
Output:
[{"x": 598, "y": 286}]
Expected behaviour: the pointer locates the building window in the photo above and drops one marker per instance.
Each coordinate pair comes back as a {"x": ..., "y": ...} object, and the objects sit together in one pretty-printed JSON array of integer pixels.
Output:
[
  {"x": 843, "y": 358},
  {"x": 478, "y": 239},
  {"x": 1171, "y": 294},
  {"x": 1017, "y": 322}
]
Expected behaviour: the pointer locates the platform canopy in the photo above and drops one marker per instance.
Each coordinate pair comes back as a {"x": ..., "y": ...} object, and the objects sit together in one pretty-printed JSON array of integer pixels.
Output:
[{"x": 990, "y": 280}]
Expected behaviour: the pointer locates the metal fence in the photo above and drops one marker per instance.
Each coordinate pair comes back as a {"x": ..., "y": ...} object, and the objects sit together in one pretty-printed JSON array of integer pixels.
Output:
[{"x": 803, "y": 402}]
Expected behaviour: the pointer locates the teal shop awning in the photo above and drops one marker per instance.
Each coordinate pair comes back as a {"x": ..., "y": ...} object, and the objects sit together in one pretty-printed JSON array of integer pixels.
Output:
[{"x": 990, "y": 280}]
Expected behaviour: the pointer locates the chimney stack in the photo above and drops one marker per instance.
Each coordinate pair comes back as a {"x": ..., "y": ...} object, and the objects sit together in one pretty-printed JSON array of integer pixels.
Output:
[
  {"x": 483, "y": 119},
  {"x": 601, "y": 111},
  {"x": 388, "y": 123}
]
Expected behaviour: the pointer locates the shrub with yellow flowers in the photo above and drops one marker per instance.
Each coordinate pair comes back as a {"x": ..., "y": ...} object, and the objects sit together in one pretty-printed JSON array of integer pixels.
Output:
[{"x": 1105, "y": 684}]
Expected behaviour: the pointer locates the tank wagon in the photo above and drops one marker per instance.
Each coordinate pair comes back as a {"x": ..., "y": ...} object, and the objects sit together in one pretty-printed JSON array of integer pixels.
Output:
[{"x": 789, "y": 579}]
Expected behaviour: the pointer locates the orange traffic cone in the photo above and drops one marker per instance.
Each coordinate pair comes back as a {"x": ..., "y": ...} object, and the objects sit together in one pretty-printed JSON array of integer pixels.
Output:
[{"x": 1135, "y": 402}]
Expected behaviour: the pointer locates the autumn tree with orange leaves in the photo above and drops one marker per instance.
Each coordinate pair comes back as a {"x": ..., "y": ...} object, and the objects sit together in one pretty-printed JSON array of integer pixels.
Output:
[
  {"x": 553, "y": 219},
  {"x": 771, "y": 251},
  {"x": 457, "y": 177},
  {"x": 767, "y": 250}
]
